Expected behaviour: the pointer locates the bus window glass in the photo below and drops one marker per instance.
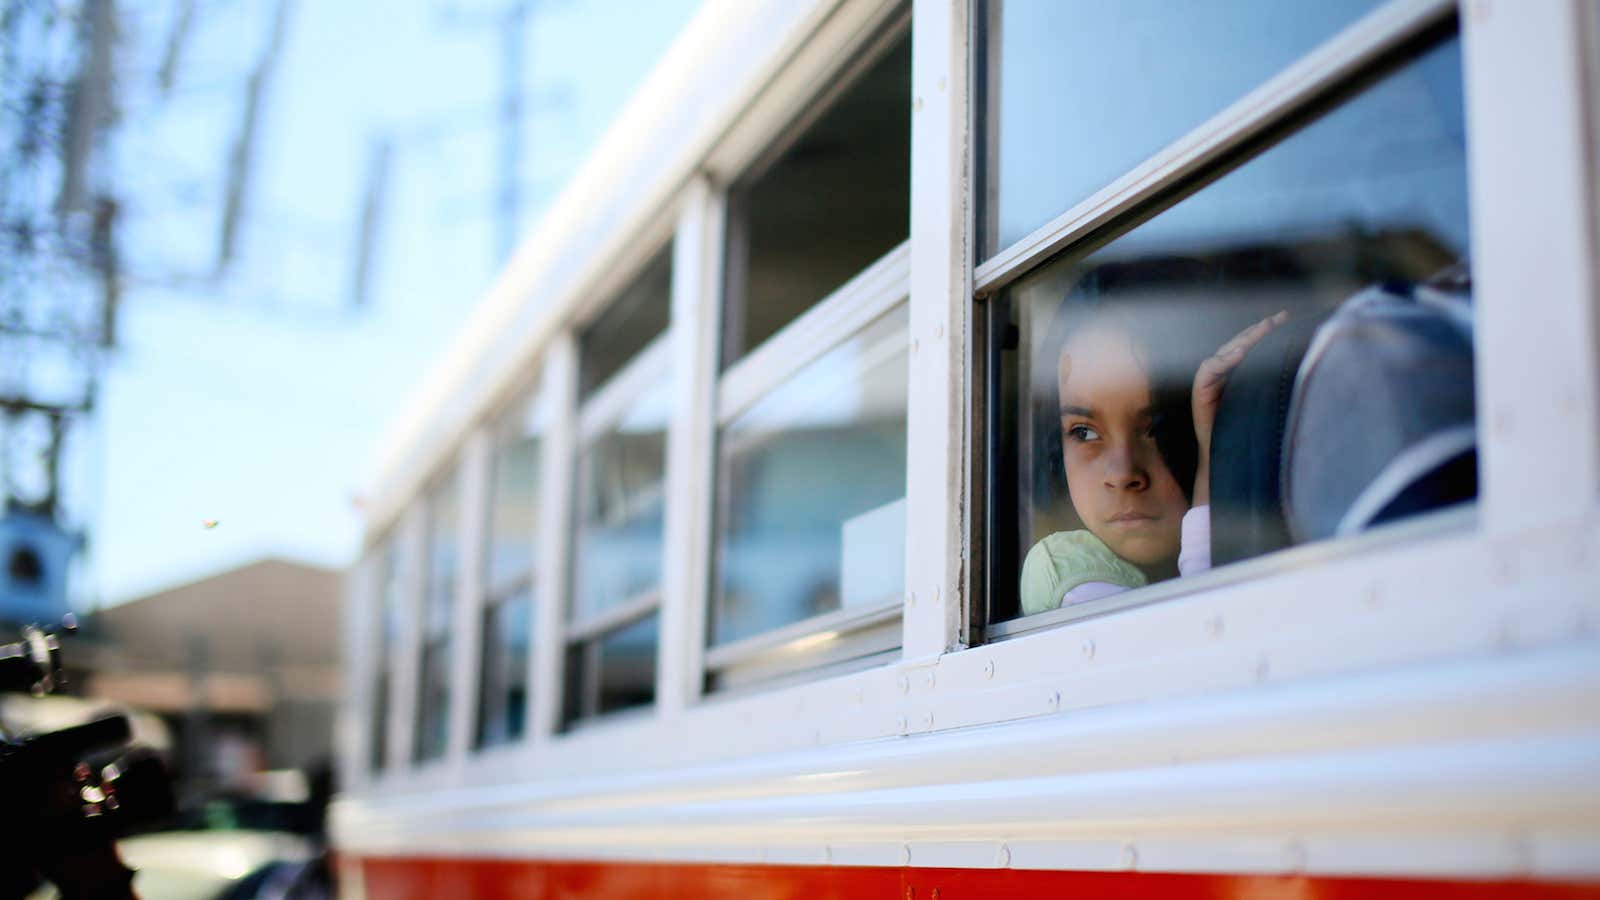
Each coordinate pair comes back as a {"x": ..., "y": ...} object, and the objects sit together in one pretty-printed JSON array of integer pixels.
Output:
[
  {"x": 391, "y": 610},
  {"x": 620, "y": 506},
  {"x": 506, "y": 618},
  {"x": 811, "y": 494},
  {"x": 612, "y": 673},
  {"x": 619, "y": 501},
  {"x": 1079, "y": 91},
  {"x": 629, "y": 323},
  {"x": 1306, "y": 317},
  {"x": 835, "y": 200},
  {"x": 503, "y": 681},
  {"x": 438, "y": 604}
]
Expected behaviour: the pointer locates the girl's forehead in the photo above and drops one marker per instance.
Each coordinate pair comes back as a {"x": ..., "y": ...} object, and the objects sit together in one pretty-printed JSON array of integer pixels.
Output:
[{"x": 1100, "y": 350}]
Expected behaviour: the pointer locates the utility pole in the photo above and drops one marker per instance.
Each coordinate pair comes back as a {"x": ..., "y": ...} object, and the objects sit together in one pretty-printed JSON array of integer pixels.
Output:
[
  {"x": 513, "y": 33},
  {"x": 372, "y": 207},
  {"x": 512, "y": 22},
  {"x": 242, "y": 157}
]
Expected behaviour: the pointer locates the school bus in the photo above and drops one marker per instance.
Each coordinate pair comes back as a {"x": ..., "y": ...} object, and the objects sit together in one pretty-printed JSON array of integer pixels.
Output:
[{"x": 812, "y": 507}]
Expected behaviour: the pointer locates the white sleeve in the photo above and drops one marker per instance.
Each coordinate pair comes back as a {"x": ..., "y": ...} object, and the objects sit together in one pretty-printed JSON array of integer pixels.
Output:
[
  {"x": 1194, "y": 554},
  {"x": 1090, "y": 590}
]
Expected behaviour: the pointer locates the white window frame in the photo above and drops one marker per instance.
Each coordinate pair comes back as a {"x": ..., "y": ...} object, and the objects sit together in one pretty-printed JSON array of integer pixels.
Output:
[
  {"x": 851, "y": 637},
  {"x": 410, "y": 540},
  {"x": 876, "y": 291},
  {"x": 1328, "y": 66},
  {"x": 461, "y": 469},
  {"x": 527, "y": 415},
  {"x": 362, "y": 643},
  {"x": 607, "y": 404}
]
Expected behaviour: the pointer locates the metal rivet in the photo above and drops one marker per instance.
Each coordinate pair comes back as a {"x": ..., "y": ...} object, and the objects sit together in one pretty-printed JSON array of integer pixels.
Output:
[
  {"x": 928, "y": 679},
  {"x": 916, "y": 105},
  {"x": 1263, "y": 668},
  {"x": 1214, "y": 626},
  {"x": 938, "y": 331},
  {"x": 905, "y": 854},
  {"x": 1506, "y": 567},
  {"x": 911, "y": 599},
  {"x": 1503, "y": 421},
  {"x": 905, "y": 685},
  {"x": 1003, "y": 858},
  {"x": 1130, "y": 856},
  {"x": 914, "y": 345},
  {"x": 901, "y": 722},
  {"x": 1088, "y": 649},
  {"x": 927, "y": 720},
  {"x": 1055, "y": 699},
  {"x": 1522, "y": 852},
  {"x": 934, "y": 894},
  {"x": 911, "y": 892},
  {"x": 1295, "y": 856},
  {"x": 941, "y": 85},
  {"x": 988, "y": 669}
]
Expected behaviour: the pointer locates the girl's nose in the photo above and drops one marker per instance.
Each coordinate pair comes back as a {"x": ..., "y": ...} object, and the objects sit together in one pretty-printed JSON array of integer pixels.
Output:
[{"x": 1124, "y": 470}]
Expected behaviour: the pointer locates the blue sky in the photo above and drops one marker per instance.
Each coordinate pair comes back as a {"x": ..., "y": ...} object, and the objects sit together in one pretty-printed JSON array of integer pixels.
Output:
[{"x": 259, "y": 400}]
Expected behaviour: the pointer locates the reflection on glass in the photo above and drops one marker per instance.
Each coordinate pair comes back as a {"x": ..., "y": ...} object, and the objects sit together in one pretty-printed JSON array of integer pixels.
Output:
[
  {"x": 614, "y": 672},
  {"x": 1080, "y": 91},
  {"x": 619, "y": 506},
  {"x": 1356, "y": 228},
  {"x": 835, "y": 201},
  {"x": 811, "y": 481},
  {"x": 513, "y": 501},
  {"x": 630, "y": 322},
  {"x": 503, "y": 679},
  {"x": 433, "y": 697},
  {"x": 443, "y": 522}
]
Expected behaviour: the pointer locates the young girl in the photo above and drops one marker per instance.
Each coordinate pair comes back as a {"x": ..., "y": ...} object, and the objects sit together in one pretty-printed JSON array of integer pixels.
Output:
[{"x": 1144, "y": 518}]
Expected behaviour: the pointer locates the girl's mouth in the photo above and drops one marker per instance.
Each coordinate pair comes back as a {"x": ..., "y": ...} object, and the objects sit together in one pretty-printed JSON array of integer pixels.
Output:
[{"x": 1131, "y": 517}]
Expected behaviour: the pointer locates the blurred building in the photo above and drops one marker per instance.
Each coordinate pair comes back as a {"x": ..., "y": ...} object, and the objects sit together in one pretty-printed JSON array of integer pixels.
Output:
[{"x": 242, "y": 665}]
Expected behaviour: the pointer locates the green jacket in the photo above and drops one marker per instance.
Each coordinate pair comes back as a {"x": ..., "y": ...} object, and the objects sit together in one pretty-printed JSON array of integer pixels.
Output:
[{"x": 1066, "y": 559}]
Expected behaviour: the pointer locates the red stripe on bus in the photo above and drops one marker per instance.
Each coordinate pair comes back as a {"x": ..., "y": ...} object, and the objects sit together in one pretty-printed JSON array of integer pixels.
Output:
[{"x": 390, "y": 878}]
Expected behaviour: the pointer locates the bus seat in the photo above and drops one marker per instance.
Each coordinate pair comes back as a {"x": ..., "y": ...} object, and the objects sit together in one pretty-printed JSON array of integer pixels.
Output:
[{"x": 1337, "y": 423}]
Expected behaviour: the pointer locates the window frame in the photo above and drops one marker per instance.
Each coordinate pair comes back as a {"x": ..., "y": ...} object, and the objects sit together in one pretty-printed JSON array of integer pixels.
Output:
[
  {"x": 461, "y": 474},
  {"x": 527, "y": 416},
  {"x": 384, "y": 569},
  {"x": 881, "y": 287},
  {"x": 591, "y": 418},
  {"x": 1243, "y": 129},
  {"x": 877, "y": 291}
]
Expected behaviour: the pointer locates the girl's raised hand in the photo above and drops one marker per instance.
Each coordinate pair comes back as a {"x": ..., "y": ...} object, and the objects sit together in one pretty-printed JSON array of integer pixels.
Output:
[{"x": 1209, "y": 381}]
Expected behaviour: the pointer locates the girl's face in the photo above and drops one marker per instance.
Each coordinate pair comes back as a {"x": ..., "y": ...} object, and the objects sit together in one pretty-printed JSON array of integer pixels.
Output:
[{"x": 1120, "y": 485}]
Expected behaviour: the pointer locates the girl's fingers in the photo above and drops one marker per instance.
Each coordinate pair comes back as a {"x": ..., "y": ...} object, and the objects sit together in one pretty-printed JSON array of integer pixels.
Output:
[{"x": 1244, "y": 340}]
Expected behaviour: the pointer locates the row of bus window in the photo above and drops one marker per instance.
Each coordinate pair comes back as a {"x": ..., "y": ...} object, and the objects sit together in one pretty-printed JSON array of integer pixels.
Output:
[
  {"x": 1273, "y": 351},
  {"x": 810, "y": 471}
]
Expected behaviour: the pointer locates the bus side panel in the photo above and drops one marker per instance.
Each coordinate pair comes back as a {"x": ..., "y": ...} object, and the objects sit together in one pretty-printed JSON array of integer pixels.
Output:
[{"x": 394, "y": 878}]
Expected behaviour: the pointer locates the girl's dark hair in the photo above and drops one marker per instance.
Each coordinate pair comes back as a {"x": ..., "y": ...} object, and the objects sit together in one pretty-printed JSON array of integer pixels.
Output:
[{"x": 1089, "y": 303}]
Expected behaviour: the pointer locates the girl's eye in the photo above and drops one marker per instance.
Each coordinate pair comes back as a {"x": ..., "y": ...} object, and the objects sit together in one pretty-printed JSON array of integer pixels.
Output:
[{"x": 1082, "y": 433}]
